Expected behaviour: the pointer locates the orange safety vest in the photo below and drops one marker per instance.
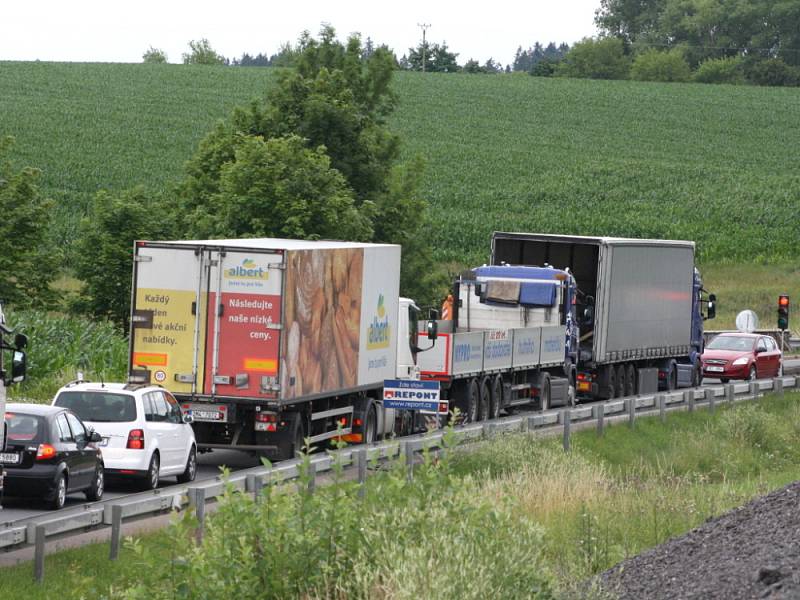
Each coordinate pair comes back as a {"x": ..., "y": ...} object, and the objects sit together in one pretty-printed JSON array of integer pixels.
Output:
[{"x": 447, "y": 308}]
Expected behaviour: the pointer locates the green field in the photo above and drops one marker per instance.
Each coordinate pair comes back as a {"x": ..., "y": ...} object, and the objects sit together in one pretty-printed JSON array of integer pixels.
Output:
[{"x": 715, "y": 164}]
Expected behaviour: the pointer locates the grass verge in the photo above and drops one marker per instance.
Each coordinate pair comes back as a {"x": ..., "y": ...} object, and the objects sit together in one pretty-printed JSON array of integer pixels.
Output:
[{"x": 515, "y": 517}]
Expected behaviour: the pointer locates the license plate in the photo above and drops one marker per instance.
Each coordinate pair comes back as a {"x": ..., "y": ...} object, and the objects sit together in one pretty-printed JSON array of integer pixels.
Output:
[
  {"x": 208, "y": 415},
  {"x": 9, "y": 458},
  {"x": 715, "y": 369}
]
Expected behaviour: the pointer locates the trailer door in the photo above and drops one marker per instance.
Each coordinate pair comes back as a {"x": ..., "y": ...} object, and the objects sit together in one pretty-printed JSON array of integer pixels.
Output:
[
  {"x": 244, "y": 316},
  {"x": 168, "y": 316}
]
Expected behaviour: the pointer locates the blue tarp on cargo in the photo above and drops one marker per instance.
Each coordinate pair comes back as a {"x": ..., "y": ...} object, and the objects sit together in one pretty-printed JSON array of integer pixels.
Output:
[
  {"x": 513, "y": 272},
  {"x": 532, "y": 293},
  {"x": 537, "y": 293}
]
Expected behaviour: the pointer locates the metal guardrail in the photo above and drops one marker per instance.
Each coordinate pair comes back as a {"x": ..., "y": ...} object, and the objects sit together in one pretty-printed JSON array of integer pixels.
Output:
[{"x": 112, "y": 513}]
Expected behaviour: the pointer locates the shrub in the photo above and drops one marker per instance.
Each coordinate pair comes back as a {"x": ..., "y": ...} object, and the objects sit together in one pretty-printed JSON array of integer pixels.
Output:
[
  {"x": 436, "y": 536},
  {"x": 603, "y": 58},
  {"x": 720, "y": 70},
  {"x": 772, "y": 72},
  {"x": 655, "y": 65}
]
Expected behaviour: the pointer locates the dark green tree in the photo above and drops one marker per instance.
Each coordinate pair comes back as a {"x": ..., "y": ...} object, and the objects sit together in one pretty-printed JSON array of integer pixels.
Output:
[
  {"x": 337, "y": 102},
  {"x": 27, "y": 267},
  {"x": 154, "y": 56},
  {"x": 105, "y": 249},
  {"x": 602, "y": 58},
  {"x": 438, "y": 58},
  {"x": 201, "y": 53}
]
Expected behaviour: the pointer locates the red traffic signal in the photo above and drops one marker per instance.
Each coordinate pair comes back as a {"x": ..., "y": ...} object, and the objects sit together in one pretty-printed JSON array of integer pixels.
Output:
[{"x": 783, "y": 312}]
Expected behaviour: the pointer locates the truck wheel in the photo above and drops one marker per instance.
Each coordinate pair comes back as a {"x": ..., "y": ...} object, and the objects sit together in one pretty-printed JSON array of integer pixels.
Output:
[
  {"x": 619, "y": 392},
  {"x": 484, "y": 400},
  {"x": 496, "y": 399},
  {"x": 609, "y": 389},
  {"x": 298, "y": 440},
  {"x": 471, "y": 402},
  {"x": 630, "y": 380},
  {"x": 370, "y": 426},
  {"x": 672, "y": 378},
  {"x": 544, "y": 392}
]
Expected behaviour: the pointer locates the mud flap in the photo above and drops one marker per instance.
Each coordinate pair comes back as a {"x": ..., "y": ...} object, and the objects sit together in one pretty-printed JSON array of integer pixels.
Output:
[{"x": 559, "y": 391}]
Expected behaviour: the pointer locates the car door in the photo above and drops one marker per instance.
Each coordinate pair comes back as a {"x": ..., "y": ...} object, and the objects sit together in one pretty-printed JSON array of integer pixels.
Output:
[
  {"x": 85, "y": 453},
  {"x": 775, "y": 355},
  {"x": 163, "y": 428},
  {"x": 68, "y": 450},
  {"x": 183, "y": 432},
  {"x": 763, "y": 359}
]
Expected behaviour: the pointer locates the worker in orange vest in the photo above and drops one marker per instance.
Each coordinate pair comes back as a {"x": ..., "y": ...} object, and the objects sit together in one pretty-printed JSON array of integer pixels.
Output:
[{"x": 447, "y": 308}]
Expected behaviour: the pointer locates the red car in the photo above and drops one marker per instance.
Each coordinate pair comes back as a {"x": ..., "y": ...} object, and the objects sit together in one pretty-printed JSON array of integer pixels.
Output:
[{"x": 742, "y": 356}]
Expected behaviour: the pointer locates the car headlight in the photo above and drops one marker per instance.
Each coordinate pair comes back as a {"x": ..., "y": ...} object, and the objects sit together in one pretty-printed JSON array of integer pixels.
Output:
[{"x": 741, "y": 361}]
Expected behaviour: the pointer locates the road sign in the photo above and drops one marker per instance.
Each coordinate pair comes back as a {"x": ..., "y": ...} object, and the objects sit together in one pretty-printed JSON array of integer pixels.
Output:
[{"x": 405, "y": 394}]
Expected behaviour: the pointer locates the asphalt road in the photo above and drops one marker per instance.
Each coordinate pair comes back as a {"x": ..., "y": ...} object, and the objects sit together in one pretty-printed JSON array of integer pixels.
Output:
[{"x": 208, "y": 466}]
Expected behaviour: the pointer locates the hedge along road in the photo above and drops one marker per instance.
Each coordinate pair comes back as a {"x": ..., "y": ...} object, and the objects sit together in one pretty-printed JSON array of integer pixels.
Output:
[{"x": 16, "y": 509}]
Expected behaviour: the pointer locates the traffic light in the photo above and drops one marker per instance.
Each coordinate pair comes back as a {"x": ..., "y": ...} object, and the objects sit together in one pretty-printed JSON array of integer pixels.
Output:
[{"x": 783, "y": 312}]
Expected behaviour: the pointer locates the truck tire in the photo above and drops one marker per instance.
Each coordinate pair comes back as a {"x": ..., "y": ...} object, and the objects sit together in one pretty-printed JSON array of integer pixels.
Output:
[
  {"x": 630, "y": 380},
  {"x": 544, "y": 392},
  {"x": 470, "y": 401},
  {"x": 484, "y": 400},
  {"x": 620, "y": 377},
  {"x": 496, "y": 399},
  {"x": 370, "y": 425},
  {"x": 298, "y": 440},
  {"x": 607, "y": 384},
  {"x": 672, "y": 378}
]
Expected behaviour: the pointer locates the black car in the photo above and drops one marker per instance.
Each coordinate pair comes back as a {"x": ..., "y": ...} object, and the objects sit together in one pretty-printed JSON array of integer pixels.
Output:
[{"x": 50, "y": 453}]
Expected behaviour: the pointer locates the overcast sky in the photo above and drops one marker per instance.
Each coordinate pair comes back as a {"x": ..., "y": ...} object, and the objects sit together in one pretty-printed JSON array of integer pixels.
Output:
[{"x": 120, "y": 31}]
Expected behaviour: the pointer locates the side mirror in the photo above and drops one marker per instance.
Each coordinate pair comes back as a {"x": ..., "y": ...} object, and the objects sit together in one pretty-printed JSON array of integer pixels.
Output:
[
  {"x": 188, "y": 418},
  {"x": 18, "y": 367},
  {"x": 588, "y": 315},
  {"x": 433, "y": 329},
  {"x": 95, "y": 437},
  {"x": 711, "y": 309},
  {"x": 20, "y": 341}
]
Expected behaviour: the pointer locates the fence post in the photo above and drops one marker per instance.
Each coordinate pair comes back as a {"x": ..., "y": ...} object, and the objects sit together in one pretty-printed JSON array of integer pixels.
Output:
[
  {"x": 777, "y": 386},
  {"x": 729, "y": 393},
  {"x": 116, "y": 531},
  {"x": 688, "y": 398},
  {"x": 361, "y": 464},
  {"x": 38, "y": 560},
  {"x": 710, "y": 399},
  {"x": 566, "y": 418},
  {"x": 254, "y": 484},
  {"x": 409, "y": 447},
  {"x": 630, "y": 404},
  {"x": 754, "y": 389},
  {"x": 197, "y": 500},
  {"x": 600, "y": 415},
  {"x": 312, "y": 477}
]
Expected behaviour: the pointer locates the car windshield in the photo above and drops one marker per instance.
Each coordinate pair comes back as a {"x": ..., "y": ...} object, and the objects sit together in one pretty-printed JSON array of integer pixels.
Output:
[
  {"x": 731, "y": 342},
  {"x": 25, "y": 428},
  {"x": 99, "y": 407}
]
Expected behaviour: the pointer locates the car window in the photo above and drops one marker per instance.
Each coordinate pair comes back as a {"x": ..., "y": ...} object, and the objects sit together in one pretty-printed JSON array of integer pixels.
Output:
[
  {"x": 25, "y": 428},
  {"x": 78, "y": 430},
  {"x": 174, "y": 409},
  {"x": 762, "y": 344},
  {"x": 99, "y": 407},
  {"x": 160, "y": 407},
  {"x": 773, "y": 345},
  {"x": 731, "y": 342},
  {"x": 64, "y": 433}
]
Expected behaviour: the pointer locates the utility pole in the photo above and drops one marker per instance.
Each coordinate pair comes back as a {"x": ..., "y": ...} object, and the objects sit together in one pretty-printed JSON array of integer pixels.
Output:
[{"x": 424, "y": 27}]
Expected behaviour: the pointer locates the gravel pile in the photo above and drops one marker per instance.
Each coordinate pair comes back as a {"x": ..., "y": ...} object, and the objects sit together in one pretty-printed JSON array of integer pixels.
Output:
[{"x": 750, "y": 552}]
